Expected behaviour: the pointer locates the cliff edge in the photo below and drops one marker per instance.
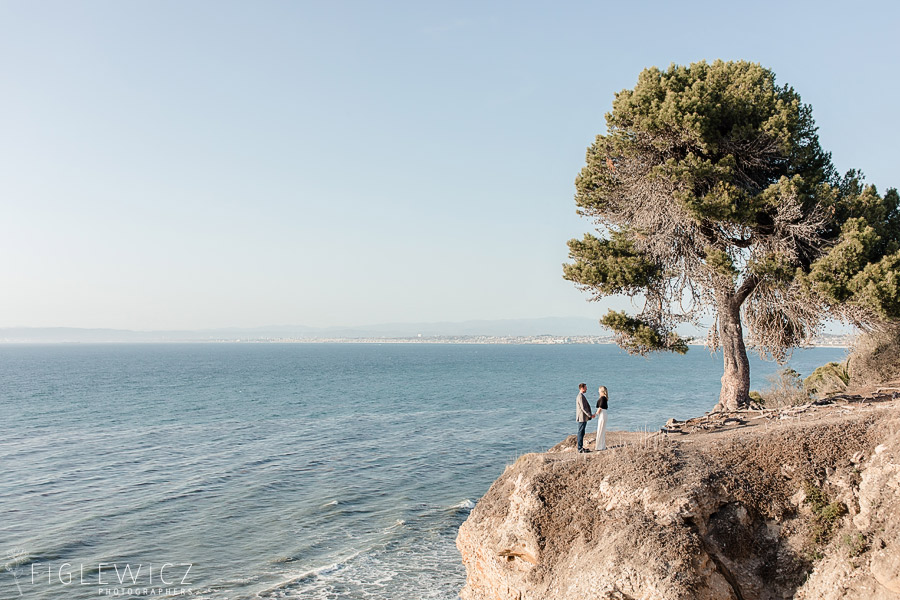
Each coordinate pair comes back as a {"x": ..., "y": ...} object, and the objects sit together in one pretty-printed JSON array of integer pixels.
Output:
[{"x": 803, "y": 503}]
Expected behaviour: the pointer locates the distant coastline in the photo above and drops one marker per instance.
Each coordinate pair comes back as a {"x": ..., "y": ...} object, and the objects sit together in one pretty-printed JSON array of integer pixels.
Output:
[
  {"x": 75, "y": 336},
  {"x": 824, "y": 342}
]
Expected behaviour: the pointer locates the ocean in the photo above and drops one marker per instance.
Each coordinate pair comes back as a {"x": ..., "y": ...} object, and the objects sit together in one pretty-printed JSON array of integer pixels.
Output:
[{"x": 313, "y": 471}]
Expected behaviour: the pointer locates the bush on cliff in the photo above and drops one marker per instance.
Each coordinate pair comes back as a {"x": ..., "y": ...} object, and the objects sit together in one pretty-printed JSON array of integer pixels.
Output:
[
  {"x": 827, "y": 380},
  {"x": 785, "y": 390},
  {"x": 875, "y": 358}
]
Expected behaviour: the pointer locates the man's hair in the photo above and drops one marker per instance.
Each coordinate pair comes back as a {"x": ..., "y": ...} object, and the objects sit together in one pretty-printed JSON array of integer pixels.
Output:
[{"x": 582, "y": 386}]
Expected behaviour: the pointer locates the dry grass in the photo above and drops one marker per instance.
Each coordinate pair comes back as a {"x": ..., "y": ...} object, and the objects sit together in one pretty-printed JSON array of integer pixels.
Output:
[
  {"x": 786, "y": 390},
  {"x": 875, "y": 358}
]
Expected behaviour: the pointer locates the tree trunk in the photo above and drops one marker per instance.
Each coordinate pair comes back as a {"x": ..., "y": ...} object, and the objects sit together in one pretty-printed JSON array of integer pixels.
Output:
[{"x": 735, "y": 393}]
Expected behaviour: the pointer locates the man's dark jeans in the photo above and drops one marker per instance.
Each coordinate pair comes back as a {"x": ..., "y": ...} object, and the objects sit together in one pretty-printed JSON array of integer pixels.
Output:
[{"x": 582, "y": 425}]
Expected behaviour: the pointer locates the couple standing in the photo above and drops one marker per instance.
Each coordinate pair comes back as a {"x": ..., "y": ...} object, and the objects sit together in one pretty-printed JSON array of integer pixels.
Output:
[{"x": 583, "y": 415}]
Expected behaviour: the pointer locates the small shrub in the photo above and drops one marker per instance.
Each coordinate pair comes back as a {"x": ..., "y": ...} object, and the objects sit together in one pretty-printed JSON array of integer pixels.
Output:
[
  {"x": 814, "y": 555},
  {"x": 856, "y": 544},
  {"x": 815, "y": 497},
  {"x": 832, "y": 513},
  {"x": 827, "y": 380},
  {"x": 875, "y": 358},
  {"x": 825, "y": 514},
  {"x": 786, "y": 390}
]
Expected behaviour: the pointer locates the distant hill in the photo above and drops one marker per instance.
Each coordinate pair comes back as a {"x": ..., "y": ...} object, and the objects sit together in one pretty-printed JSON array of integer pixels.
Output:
[{"x": 562, "y": 326}]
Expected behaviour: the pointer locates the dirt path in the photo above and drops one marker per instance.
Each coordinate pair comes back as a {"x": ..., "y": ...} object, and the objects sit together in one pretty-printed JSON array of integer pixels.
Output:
[{"x": 716, "y": 425}]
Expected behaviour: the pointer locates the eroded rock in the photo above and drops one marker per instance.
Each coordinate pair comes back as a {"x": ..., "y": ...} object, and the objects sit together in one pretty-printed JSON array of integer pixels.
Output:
[{"x": 714, "y": 518}]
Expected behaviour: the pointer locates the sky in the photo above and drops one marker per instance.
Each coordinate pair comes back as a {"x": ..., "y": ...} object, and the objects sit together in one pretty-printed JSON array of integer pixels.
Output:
[{"x": 187, "y": 165}]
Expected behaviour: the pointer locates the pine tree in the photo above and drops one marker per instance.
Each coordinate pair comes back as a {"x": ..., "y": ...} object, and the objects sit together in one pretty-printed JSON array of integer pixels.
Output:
[{"x": 714, "y": 199}]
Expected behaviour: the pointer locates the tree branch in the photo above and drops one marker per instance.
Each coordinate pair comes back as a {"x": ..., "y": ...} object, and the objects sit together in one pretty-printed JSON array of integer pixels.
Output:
[
  {"x": 746, "y": 288},
  {"x": 740, "y": 243}
]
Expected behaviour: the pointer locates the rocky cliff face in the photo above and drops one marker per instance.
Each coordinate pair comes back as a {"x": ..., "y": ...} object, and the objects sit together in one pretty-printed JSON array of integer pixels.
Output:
[{"x": 791, "y": 508}]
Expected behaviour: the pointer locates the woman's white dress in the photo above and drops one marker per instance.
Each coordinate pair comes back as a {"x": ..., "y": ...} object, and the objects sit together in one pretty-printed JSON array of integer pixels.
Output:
[{"x": 601, "y": 430}]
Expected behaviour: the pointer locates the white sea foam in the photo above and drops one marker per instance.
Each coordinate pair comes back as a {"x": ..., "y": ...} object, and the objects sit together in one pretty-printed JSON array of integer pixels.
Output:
[
  {"x": 277, "y": 589},
  {"x": 465, "y": 504},
  {"x": 382, "y": 573}
]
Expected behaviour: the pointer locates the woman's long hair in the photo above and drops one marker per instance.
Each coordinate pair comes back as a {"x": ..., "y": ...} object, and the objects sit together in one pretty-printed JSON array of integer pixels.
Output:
[{"x": 604, "y": 393}]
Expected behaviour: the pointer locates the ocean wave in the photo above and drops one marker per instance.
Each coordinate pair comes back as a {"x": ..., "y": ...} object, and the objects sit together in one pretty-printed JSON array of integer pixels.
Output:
[
  {"x": 420, "y": 567},
  {"x": 278, "y": 589},
  {"x": 464, "y": 505}
]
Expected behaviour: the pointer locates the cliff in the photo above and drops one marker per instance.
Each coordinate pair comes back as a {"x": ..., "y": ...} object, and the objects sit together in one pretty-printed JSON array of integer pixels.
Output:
[{"x": 800, "y": 504}]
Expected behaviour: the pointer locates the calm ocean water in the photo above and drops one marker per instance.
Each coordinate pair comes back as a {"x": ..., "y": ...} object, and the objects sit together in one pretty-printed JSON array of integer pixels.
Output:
[{"x": 289, "y": 471}]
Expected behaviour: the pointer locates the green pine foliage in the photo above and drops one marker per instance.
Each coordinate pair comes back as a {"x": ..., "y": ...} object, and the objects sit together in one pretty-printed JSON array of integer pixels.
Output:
[
  {"x": 609, "y": 266},
  {"x": 859, "y": 273},
  {"x": 640, "y": 337}
]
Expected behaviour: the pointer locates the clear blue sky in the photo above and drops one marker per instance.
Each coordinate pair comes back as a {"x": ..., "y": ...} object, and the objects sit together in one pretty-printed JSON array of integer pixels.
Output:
[{"x": 198, "y": 164}]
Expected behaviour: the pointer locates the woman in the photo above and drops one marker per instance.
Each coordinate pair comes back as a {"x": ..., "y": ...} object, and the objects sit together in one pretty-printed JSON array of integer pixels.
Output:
[{"x": 601, "y": 422}]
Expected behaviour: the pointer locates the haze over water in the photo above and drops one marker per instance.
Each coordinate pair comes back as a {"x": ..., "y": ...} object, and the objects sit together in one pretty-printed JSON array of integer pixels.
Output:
[{"x": 290, "y": 471}]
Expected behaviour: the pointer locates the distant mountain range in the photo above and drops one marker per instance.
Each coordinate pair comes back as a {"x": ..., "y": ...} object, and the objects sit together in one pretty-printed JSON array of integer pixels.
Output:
[{"x": 559, "y": 326}]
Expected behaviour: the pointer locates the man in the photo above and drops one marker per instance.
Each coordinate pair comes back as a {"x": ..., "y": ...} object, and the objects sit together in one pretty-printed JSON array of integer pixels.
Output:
[{"x": 582, "y": 415}]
